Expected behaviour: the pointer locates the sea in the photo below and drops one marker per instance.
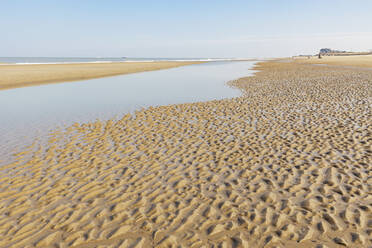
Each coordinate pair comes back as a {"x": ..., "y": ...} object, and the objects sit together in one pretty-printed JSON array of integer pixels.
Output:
[{"x": 69, "y": 60}]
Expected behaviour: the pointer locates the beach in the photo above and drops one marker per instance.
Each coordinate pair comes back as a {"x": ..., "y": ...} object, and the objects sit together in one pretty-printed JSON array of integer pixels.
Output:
[
  {"x": 18, "y": 75},
  {"x": 31, "y": 112},
  {"x": 364, "y": 61},
  {"x": 287, "y": 164}
]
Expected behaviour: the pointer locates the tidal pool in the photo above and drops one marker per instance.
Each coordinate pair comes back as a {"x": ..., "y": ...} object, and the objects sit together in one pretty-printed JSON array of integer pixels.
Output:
[{"x": 29, "y": 113}]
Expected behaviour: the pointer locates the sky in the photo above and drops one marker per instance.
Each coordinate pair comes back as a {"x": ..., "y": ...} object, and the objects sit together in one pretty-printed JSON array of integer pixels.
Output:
[{"x": 189, "y": 28}]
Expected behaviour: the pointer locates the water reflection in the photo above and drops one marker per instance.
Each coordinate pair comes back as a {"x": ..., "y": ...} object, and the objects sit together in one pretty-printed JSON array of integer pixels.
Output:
[{"x": 29, "y": 112}]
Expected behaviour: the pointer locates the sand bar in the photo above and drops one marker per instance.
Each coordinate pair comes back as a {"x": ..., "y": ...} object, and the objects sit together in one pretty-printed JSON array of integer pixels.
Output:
[
  {"x": 286, "y": 165},
  {"x": 15, "y": 76}
]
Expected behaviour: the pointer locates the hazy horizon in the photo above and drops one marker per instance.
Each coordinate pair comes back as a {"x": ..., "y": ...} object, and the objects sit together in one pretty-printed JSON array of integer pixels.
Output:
[{"x": 218, "y": 29}]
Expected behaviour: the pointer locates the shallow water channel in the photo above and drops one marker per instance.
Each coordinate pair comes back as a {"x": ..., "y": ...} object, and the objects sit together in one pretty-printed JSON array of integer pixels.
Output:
[{"x": 28, "y": 113}]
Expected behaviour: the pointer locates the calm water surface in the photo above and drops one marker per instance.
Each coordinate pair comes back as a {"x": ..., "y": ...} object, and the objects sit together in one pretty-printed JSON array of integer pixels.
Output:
[
  {"x": 28, "y": 113},
  {"x": 54, "y": 60}
]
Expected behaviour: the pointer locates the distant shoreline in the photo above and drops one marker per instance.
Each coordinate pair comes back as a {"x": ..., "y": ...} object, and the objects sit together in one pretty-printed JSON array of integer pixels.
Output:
[
  {"x": 25, "y": 75},
  {"x": 363, "y": 61},
  {"x": 67, "y": 60},
  {"x": 17, "y": 75}
]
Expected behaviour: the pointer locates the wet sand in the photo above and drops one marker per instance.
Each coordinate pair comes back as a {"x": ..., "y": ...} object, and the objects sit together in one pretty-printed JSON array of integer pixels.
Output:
[
  {"x": 352, "y": 60},
  {"x": 16, "y": 76},
  {"x": 286, "y": 165}
]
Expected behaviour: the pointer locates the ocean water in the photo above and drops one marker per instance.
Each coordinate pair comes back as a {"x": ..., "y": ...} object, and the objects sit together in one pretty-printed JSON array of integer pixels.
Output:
[
  {"x": 62, "y": 60},
  {"x": 55, "y": 60},
  {"x": 32, "y": 112}
]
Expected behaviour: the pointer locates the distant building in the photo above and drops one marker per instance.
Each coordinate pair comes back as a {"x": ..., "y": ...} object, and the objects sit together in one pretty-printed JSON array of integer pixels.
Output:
[
  {"x": 329, "y": 51},
  {"x": 325, "y": 50}
]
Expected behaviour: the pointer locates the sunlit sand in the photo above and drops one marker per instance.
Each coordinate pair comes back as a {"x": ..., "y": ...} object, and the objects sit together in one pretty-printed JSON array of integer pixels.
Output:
[
  {"x": 352, "y": 60},
  {"x": 15, "y": 76},
  {"x": 288, "y": 164}
]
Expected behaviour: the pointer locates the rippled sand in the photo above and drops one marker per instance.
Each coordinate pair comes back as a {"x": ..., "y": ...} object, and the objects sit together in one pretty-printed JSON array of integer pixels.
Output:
[
  {"x": 16, "y": 75},
  {"x": 286, "y": 165}
]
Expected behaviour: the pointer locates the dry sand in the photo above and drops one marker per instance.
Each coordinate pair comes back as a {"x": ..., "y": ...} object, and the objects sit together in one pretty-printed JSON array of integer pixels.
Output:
[
  {"x": 286, "y": 165},
  {"x": 352, "y": 60},
  {"x": 15, "y": 76}
]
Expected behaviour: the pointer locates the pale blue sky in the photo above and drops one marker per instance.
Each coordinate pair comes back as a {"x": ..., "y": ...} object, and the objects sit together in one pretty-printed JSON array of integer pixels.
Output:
[{"x": 192, "y": 28}]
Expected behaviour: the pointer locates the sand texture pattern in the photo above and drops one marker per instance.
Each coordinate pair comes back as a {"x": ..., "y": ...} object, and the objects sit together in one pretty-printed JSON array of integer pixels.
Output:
[
  {"x": 286, "y": 165},
  {"x": 16, "y": 76}
]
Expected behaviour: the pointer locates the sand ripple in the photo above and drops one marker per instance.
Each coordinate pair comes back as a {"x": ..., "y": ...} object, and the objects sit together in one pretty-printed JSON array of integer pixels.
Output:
[{"x": 286, "y": 165}]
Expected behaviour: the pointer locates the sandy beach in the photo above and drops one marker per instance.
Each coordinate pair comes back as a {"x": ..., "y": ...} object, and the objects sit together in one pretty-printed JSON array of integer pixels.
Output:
[
  {"x": 15, "y": 76},
  {"x": 364, "y": 61},
  {"x": 288, "y": 164}
]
